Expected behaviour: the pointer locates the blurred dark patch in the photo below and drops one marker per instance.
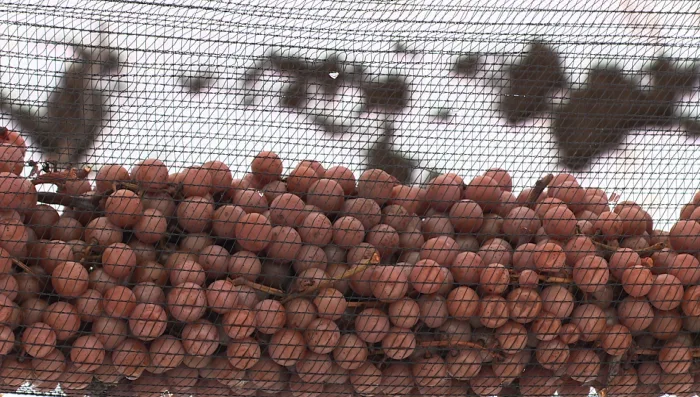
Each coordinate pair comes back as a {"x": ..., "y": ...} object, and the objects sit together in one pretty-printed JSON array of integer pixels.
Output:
[
  {"x": 383, "y": 156},
  {"x": 672, "y": 81},
  {"x": 594, "y": 120},
  {"x": 402, "y": 48},
  {"x": 466, "y": 65},
  {"x": 597, "y": 118},
  {"x": 387, "y": 95},
  {"x": 197, "y": 84},
  {"x": 328, "y": 74},
  {"x": 295, "y": 95},
  {"x": 529, "y": 83},
  {"x": 330, "y": 126},
  {"x": 391, "y": 94},
  {"x": 442, "y": 114},
  {"x": 71, "y": 120}
]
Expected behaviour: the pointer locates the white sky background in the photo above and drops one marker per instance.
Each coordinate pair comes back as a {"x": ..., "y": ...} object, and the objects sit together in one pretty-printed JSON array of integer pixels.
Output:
[{"x": 154, "y": 117}]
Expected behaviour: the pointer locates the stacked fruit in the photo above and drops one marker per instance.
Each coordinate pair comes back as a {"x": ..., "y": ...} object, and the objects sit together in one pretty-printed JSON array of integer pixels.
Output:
[{"x": 316, "y": 283}]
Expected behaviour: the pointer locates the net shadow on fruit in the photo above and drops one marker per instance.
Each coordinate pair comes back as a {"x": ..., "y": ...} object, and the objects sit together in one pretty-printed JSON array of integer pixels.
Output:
[
  {"x": 598, "y": 117},
  {"x": 528, "y": 84},
  {"x": 383, "y": 156}
]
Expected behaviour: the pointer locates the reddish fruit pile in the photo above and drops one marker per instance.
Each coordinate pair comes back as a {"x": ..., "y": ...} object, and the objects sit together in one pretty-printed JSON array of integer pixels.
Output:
[{"x": 319, "y": 283}]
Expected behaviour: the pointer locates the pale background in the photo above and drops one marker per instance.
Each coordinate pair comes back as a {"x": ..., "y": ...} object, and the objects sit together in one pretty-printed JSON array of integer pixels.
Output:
[{"x": 154, "y": 117}]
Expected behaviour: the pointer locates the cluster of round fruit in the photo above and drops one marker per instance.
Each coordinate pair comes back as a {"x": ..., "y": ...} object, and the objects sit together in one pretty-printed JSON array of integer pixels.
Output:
[{"x": 319, "y": 283}]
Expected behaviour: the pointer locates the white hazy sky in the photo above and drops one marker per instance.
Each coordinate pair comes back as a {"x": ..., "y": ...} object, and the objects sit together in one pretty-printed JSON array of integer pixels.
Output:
[{"x": 153, "y": 117}]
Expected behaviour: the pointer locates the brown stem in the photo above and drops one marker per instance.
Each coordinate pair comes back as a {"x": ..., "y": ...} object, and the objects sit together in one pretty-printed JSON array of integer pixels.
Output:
[
  {"x": 642, "y": 252},
  {"x": 61, "y": 177},
  {"x": 548, "y": 279},
  {"x": 174, "y": 228},
  {"x": 121, "y": 185},
  {"x": 539, "y": 187},
  {"x": 654, "y": 352},
  {"x": 451, "y": 343},
  {"x": 649, "y": 251},
  {"x": 560, "y": 280},
  {"x": 457, "y": 344},
  {"x": 83, "y": 204},
  {"x": 364, "y": 265},
  {"x": 175, "y": 190},
  {"x": 86, "y": 252},
  {"x": 23, "y": 266},
  {"x": 256, "y": 286},
  {"x": 367, "y": 304}
]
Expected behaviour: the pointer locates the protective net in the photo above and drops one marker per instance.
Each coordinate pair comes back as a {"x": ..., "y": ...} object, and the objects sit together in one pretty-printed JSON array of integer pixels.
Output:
[{"x": 350, "y": 198}]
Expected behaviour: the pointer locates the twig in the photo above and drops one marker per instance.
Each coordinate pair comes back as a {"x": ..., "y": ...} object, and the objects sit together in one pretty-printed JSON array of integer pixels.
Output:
[
  {"x": 175, "y": 228},
  {"x": 560, "y": 280},
  {"x": 22, "y": 266},
  {"x": 456, "y": 344},
  {"x": 548, "y": 279},
  {"x": 537, "y": 190},
  {"x": 60, "y": 177},
  {"x": 649, "y": 251},
  {"x": 134, "y": 187},
  {"x": 256, "y": 286},
  {"x": 79, "y": 203},
  {"x": 88, "y": 249},
  {"x": 367, "y": 304},
  {"x": 35, "y": 169},
  {"x": 367, "y": 263},
  {"x": 653, "y": 352},
  {"x": 642, "y": 252},
  {"x": 451, "y": 343}
]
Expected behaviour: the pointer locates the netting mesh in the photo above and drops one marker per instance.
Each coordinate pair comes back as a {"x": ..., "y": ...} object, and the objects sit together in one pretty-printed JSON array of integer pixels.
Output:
[{"x": 369, "y": 198}]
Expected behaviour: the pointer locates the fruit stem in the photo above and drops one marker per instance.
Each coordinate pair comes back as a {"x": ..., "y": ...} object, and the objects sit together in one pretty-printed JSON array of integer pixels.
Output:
[
  {"x": 126, "y": 185},
  {"x": 649, "y": 251},
  {"x": 22, "y": 266},
  {"x": 368, "y": 304},
  {"x": 364, "y": 265},
  {"x": 59, "y": 178},
  {"x": 88, "y": 249},
  {"x": 547, "y": 279},
  {"x": 256, "y": 286},
  {"x": 83, "y": 204},
  {"x": 539, "y": 187},
  {"x": 456, "y": 344},
  {"x": 451, "y": 343},
  {"x": 653, "y": 352},
  {"x": 642, "y": 252}
]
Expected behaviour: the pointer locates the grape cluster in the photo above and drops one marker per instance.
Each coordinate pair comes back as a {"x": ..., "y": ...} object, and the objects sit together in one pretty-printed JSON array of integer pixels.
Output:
[{"x": 320, "y": 283}]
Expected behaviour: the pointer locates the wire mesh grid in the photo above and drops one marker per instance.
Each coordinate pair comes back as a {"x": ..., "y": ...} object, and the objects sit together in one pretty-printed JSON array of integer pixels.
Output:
[{"x": 329, "y": 198}]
